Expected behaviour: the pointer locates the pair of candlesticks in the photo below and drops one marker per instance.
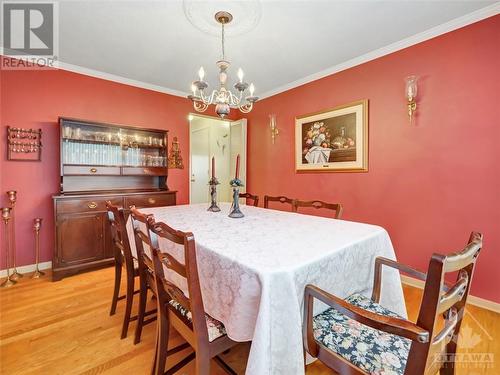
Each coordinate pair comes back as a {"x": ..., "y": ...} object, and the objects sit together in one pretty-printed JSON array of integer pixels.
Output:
[
  {"x": 8, "y": 217},
  {"x": 235, "y": 183}
]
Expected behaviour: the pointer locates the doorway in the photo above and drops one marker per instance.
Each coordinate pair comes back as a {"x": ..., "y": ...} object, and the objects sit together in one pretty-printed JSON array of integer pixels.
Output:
[{"x": 222, "y": 139}]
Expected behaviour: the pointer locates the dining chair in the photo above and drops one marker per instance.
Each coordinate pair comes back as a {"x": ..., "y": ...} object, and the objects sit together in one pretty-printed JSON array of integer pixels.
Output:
[
  {"x": 123, "y": 259},
  {"x": 281, "y": 199},
  {"x": 183, "y": 309},
  {"x": 144, "y": 255},
  {"x": 337, "y": 207},
  {"x": 359, "y": 336},
  {"x": 146, "y": 277},
  {"x": 254, "y": 198}
]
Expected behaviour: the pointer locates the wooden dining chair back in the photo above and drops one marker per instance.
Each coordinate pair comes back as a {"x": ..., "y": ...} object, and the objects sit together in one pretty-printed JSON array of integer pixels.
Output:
[
  {"x": 424, "y": 347},
  {"x": 145, "y": 269},
  {"x": 253, "y": 198},
  {"x": 180, "y": 300},
  {"x": 441, "y": 299},
  {"x": 337, "y": 207},
  {"x": 123, "y": 259},
  {"x": 280, "y": 199}
]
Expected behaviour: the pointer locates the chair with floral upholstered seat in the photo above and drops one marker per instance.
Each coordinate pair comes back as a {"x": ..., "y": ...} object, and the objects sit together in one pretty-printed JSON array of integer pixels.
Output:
[{"x": 359, "y": 336}]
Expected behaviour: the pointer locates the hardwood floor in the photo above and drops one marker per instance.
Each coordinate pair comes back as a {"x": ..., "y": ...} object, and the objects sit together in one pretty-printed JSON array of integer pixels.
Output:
[{"x": 65, "y": 328}]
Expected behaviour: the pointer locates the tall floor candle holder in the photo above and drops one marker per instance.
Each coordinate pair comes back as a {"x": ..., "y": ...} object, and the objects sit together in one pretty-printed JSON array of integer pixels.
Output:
[
  {"x": 12, "y": 194},
  {"x": 37, "y": 225},
  {"x": 6, "y": 218},
  {"x": 213, "y": 195}
]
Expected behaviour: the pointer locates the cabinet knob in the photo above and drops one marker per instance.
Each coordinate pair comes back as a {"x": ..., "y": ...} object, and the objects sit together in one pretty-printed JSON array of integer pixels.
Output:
[
  {"x": 151, "y": 201},
  {"x": 92, "y": 205},
  {"x": 93, "y": 170}
]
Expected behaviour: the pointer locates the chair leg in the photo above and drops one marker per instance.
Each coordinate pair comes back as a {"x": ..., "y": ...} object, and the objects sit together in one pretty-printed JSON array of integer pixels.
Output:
[
  {"x": 162, "y": 327},
  {"x": 143, "y": 295},
  {"x": 448, "y": 368},
  {"x": 116, "y": 291},
  {"x": 128, "y": 307},
  {"x": 155, "y": 359},
  {"x": 202, "y": 363}
]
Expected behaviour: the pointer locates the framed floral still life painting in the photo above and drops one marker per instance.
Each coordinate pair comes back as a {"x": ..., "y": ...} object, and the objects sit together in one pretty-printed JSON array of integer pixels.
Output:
[{"x": 335, "y": 140}]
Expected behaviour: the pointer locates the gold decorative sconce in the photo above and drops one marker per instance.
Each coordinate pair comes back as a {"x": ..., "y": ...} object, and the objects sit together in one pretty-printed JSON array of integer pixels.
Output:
[
  {"x": 273, "y": 127},
  {"x": 411, "y": 95}
]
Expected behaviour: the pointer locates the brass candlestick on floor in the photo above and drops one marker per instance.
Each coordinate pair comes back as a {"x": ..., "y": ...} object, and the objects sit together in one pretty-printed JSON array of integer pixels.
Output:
[
  {"x": 6, "y": 217},
  {"x": 37, "y": 225},
  {"x": 12, "y": 194}
]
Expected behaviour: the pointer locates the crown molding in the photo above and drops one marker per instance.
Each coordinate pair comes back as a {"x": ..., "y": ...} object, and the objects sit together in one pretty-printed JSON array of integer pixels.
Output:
[
  {"x": 106, "y": 76},
  {"x": 454, "y": 24},
  {"x": 119, "y": 79},
  {"x": 444, "y": 28}
]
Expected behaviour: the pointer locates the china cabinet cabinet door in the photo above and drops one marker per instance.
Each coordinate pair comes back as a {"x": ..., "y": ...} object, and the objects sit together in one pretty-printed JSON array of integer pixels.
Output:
[{"x": 80, "y": 239}]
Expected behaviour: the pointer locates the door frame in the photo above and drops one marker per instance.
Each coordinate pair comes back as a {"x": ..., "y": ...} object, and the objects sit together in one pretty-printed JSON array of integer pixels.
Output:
[{"x": 190, "y": 117}]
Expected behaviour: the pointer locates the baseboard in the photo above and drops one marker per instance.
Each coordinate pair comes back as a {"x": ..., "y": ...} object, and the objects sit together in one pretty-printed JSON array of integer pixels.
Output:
[
  {"x": 472, "y": 300},
  {"x": 29, "y": 268}
]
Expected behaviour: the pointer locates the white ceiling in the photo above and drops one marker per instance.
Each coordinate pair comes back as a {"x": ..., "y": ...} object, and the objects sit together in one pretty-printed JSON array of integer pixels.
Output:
[{"x": 153, "y": 44}]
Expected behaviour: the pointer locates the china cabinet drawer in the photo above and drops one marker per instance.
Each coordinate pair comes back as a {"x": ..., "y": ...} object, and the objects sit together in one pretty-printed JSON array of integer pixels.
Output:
[
  {"x": 86, "y": 204},
  {"x": 79, "y": 170},
  {"x": 153, "y": 200},
  {"x": 144, "y": 171}
]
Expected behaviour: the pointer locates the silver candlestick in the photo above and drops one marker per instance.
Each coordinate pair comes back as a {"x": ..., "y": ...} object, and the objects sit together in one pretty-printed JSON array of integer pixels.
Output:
[
  {"x": 37, "y": 225},
  {"x": 235, "y": 206},
  {"x": 213, "y": 195}
]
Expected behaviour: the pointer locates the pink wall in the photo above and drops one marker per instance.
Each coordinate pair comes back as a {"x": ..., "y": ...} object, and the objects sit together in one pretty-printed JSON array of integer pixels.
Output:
[
  {"x": 430, "y": 184},
  {"x": 35, "y": 99}
]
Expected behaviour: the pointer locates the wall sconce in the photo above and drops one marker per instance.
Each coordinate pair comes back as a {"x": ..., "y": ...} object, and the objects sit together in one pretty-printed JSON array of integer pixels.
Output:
[
  {"x": 273, "y": 127},
  {"x": 411, "y": 95}
]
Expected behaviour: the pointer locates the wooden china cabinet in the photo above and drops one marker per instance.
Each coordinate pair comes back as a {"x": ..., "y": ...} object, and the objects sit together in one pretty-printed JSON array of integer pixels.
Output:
[{"x": 101, "y": 162}]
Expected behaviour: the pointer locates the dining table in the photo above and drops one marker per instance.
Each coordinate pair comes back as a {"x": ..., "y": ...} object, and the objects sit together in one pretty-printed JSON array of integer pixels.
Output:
[{"x": 253, "y": 271}]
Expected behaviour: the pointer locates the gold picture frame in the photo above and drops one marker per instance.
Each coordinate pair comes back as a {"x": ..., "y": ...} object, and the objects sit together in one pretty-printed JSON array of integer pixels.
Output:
[{"x": 333, "y": 140}]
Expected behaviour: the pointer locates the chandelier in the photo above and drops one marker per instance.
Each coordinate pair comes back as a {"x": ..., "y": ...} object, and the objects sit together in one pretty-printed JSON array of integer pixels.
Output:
[{"x": 223, "y": 98}]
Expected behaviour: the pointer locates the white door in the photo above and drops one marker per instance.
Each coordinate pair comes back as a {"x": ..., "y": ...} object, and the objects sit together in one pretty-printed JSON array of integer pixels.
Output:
[
  {"x": 238, "y": 132},
  {"x": 200, "y": 150}
]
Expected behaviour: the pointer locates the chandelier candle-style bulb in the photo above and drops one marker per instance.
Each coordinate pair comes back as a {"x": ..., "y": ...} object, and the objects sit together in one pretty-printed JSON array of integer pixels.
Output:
[{"x": 223, "y": 98}]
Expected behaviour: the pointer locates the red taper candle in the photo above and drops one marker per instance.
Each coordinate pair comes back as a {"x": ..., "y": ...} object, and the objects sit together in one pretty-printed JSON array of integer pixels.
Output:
[
  {"x": 213, "y": 166},
  {"x": 237, "y": 167}
]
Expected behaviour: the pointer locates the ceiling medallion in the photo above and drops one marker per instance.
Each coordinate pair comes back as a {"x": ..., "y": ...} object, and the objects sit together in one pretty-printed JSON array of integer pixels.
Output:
[
  {"x": 223, "y": 98},
  {"x": 200, "y": 15}
]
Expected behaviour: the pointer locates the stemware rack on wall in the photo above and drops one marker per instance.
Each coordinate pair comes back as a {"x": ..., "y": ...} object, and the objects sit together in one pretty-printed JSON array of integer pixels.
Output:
[{"x": 24, "y": 144}]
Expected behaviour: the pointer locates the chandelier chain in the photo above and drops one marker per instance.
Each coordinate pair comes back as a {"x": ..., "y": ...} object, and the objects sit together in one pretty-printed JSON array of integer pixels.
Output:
[{"x": 223, "y": 46}]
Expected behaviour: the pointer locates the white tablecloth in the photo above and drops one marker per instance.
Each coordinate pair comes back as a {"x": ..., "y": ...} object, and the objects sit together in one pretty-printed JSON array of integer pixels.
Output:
[{"x": 253, "y": 272}]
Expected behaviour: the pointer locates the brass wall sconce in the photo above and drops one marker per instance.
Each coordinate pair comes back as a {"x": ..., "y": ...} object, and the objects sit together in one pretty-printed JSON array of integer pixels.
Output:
[
  {"x": 411, "y": 95},
  {"x": 273, "y": 127}
]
